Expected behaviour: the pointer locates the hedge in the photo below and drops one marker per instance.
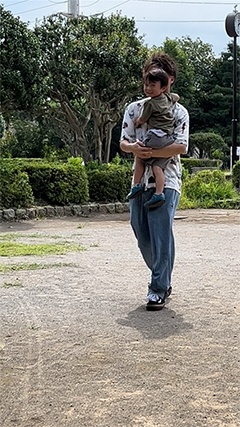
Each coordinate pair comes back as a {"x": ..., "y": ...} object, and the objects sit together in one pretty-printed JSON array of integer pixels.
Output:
[
  {"x": 22, "y": 180},
  {"x": 15, "y": 190},
  {"x": 109, "y": 183},
  {"x": 55, "y": 183}
]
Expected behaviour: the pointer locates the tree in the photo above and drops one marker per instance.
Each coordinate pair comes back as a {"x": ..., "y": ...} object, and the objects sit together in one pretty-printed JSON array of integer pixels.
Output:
[
  {"x": 19, "y": 65},
  {"x": 91, "y": 68},
  {"x": 200, "y": 57},
  {"x": 217, "y": 96},
  {"x": 184, "y": 84},
  {"x": 208, "y": 144}
]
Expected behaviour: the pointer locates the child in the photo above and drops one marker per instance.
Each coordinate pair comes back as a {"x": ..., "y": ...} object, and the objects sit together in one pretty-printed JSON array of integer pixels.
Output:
[{"x": 157, "y": 112}]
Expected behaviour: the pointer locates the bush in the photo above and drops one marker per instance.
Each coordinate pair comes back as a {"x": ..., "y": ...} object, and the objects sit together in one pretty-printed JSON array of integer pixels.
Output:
[
  {"x": 55, "y": 183},
  {"x": 236, "y": 174},
  {"x": 109, "y": 183},
  {"x": 59, "y": 183},
  {"x": 207, "y": 190},
  {"x": 15, "y": 190},
  {"x": 25, "y": 140}
]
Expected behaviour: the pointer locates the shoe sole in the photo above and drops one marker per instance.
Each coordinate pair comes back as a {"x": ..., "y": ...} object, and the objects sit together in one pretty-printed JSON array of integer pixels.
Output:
[
  {"x": 135, "y": 195},
  {"x": 169, "y": 291},
  {"x": 155, "y": 205},
  {"x": 154, "y": 307}
]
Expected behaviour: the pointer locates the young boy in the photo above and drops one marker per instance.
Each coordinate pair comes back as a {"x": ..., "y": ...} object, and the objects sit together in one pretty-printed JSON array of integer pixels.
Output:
[{"x": 157, "y": 112}]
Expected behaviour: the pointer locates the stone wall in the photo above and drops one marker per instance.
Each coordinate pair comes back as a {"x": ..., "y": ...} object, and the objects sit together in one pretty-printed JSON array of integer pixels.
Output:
[{"x": 61, "y": 211}]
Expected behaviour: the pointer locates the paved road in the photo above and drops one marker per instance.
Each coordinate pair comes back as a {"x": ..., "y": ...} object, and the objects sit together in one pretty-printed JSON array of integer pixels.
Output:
[{"x": 78, "y": 348}]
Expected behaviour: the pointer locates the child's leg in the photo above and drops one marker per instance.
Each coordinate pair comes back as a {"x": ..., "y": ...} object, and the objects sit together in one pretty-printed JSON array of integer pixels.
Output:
[
  {"x": 138, "y": 171},
  {"x": 159, "y": 178},
  {"x": 137, "y": 187}
]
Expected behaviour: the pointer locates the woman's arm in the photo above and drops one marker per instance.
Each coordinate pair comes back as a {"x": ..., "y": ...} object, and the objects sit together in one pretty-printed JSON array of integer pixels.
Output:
[
  {"x": 170, "y": 151},
  {"x": 137, "y": 148}
]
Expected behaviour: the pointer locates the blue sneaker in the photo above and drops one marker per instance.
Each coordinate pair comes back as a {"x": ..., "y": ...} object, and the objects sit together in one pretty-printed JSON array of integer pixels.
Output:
[
  {"x": 156, "y": 201},
  {"x": 136, "y": 190}
]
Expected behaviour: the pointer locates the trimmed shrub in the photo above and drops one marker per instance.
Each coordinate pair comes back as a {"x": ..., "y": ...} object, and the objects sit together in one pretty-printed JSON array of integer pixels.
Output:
[
  {"x": 59, "y": 183},
  {"x": 15, "y": 190},
  {"x": 109, "y": 183},
  {"x": 55, "y": 183}
]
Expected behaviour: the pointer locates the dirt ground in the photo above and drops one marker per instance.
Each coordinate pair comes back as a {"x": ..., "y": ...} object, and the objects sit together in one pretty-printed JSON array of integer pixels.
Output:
[{"x": 79, "y": 349}]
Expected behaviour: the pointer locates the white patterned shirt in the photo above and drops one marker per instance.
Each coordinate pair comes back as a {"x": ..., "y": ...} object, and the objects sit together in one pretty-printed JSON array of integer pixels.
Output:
[{"x": 173, "y": 171}]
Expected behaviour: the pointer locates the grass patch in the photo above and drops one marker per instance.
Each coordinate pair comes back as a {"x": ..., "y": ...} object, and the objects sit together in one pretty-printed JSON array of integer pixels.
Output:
[
  {"x": 9, "y": 236},
  {"x": 34, "y": 266},
  {"x": 21, "y": 249},
  {"x": 15, "y": 236},
  {"x": 12, "y": 285}
]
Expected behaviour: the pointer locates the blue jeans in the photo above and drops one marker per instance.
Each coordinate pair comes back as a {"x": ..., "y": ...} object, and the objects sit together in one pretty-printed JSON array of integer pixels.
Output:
[{"x": 153, "y": 229}]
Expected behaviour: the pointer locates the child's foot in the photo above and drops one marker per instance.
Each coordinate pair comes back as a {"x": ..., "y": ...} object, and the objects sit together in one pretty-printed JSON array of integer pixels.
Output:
[
  {"x": 156, "y": 201},
  {"x": 136, "y": 190}
]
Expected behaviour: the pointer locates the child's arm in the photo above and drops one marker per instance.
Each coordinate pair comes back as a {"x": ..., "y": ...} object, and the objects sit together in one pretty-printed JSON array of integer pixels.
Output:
[
  {"x": 139, "y": 122},
  {"x": 145, "y": 114},
  {"x": 175, "y": 97}
]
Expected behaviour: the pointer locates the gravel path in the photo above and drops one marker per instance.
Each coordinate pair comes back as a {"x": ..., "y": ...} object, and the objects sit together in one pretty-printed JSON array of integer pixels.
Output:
[{"x": 78, "y": 348}]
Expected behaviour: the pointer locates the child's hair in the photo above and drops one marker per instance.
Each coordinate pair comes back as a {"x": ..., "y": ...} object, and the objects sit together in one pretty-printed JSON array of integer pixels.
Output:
[{"x": 156, "y": 75}]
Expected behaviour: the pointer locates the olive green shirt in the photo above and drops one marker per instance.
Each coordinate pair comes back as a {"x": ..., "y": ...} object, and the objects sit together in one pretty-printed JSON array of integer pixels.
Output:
[{"x": 157, "y": 112}]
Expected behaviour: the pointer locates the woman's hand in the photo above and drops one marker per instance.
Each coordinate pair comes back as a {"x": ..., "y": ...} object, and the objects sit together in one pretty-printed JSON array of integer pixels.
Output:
[{"x": 139, "y": 150}]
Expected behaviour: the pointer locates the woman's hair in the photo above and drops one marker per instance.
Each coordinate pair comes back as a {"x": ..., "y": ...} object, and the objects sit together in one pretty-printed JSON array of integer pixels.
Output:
[
  {"x": 156, "y": 75},
  {"x": 163, "y": 61}
]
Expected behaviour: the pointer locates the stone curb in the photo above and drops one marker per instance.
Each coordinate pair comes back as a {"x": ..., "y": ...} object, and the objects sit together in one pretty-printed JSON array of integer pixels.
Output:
[{"x": 62, "y": 211}]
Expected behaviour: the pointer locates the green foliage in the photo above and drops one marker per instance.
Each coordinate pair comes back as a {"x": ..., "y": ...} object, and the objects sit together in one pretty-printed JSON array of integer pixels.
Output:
[
  {"x": 200, "y": 57},
  {"x": 19, "y": 65},
  {"x": 93, "y": 66},
  {"x": 59, "y": 183},
  {"x": 109, "y": 183},
  {"x": 15, "y": 190},
  {"x": 217, "y": 96},
  {"x": 236, "y": 174},
  {"x": 54, "y": 183},
  {"x": 207, "y": 190},
  {"x": 6, "y": 143},
  {"x": 24, "y": 139},
  {"x": 184, "y": 85},
  {"x": 208, "y": 144},
  {"x": 2, "y": 127}
]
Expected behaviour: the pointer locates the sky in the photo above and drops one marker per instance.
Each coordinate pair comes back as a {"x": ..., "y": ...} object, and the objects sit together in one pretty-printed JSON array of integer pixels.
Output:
[{"x": 155, "y": 19}]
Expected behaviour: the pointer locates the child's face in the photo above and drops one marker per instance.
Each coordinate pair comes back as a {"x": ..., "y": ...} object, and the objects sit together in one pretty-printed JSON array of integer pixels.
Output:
[{"x": 152, "y": 89}]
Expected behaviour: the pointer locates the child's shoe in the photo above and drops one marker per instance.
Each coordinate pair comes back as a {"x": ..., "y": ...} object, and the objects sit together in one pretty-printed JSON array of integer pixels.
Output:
[
  {"x": 136, "y": 190},
  {"x": 156, "y": 201}
]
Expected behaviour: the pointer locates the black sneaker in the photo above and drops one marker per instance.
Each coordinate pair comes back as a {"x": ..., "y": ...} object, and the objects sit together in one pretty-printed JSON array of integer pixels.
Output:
[
  {"x": 155, "y": 305},
  {"x": 169, "y": 291}
]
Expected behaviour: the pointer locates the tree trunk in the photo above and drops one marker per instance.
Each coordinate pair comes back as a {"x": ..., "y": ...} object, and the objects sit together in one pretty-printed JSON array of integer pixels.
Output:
[
  {"x": 78, "y": 129},
  {"x": 77, "y": 124},
  {"x": 109, "y": 127}
]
